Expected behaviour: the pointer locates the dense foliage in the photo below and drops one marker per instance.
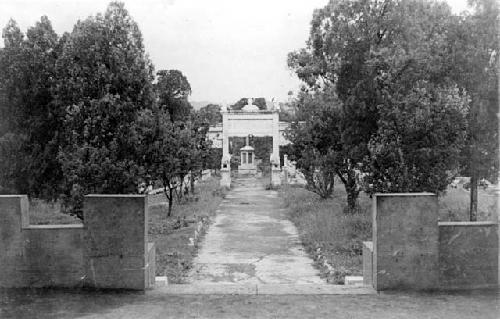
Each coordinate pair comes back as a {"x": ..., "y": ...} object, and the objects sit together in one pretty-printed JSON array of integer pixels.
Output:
[
  {"x": 81, "y": 113},
  {"x": 408, "y": 107}
]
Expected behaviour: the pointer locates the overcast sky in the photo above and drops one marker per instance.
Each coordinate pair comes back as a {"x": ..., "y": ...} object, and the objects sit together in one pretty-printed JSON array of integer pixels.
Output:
[{"x": 228, "y": 49}]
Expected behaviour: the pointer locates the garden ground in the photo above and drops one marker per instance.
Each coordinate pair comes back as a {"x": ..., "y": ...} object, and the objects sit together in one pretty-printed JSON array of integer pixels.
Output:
[
  {"x": 24, "y": 304},
  {"x": 334, "y": 239},
  {"x": 171, "y": 234}
]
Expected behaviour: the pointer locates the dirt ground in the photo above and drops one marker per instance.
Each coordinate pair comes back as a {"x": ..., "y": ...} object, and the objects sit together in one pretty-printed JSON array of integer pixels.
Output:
[{"x": 23, "y": 304}]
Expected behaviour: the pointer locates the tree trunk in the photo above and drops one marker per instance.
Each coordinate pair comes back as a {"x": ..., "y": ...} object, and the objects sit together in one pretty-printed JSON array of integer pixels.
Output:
[
  {"x": 473, "y": 159},
  {"x": 170, "y": 202},
  {"x": 350, "y": 188},
  {"x": 352, "y": 191},
  {"x": 180, "y": 189},
  {"x": 473, "y": 196},
  {"x": 191, "y": 180}
]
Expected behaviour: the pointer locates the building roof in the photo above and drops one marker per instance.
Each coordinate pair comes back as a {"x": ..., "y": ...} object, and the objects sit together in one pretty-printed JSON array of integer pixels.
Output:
[{"x": 247, "y": 148}]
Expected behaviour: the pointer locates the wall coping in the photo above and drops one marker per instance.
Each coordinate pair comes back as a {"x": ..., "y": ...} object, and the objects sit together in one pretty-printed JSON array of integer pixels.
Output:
[
  {"x": 404, "y": 194},
  {"x": 368, "y": 244},
  {"x": 55, "y": 226},
  {"x": 13, "y": 196},
  {"x": 117, "y": 195},
  {"x": 481, "y": 223}
]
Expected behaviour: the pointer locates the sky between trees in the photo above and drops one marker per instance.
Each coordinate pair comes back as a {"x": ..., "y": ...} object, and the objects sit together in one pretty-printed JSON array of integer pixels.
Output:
[{"x": 226, "y": 48}]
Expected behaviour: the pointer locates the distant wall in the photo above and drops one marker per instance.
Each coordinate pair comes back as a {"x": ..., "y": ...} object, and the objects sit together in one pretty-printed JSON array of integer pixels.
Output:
[
  {"x": 412, "y": 250},
  {"x": 468, "y": 254},
  {"x": 109, "y": 251}
]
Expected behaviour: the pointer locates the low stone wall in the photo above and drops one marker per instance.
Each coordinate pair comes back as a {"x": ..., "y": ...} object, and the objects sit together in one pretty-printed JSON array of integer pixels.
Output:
[
  {"x": 109, "y": 251},
  {"x": 468, "y": 255},
  {"x": 411, "y": 250},
  {"x": 54, "y": 256}
]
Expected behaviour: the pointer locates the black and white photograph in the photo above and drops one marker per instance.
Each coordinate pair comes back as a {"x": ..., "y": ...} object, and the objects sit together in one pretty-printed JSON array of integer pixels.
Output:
[{"x": 249, "y": 159}]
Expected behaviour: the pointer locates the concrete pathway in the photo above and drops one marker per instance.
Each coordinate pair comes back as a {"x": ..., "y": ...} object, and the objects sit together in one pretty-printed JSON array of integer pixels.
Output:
[{"x": 252, "y": 242}]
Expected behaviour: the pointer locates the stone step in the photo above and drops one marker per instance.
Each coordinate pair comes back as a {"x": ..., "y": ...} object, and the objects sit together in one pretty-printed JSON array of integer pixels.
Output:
[
  {"x": 263, "y": 289},
  {"x": 353, "y": 280},
  {"x": 161, "y": 281}
]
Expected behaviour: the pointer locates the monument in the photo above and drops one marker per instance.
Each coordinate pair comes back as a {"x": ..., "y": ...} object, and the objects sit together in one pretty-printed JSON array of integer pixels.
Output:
[
  {"x": 240, "y": 123},
  {"x": 247, "y": 162},
  {"x": 250, "y": 107}
]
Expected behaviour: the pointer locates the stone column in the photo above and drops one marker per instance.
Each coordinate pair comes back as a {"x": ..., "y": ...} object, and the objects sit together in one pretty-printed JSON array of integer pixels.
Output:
[
  {"x": 116, "y": 235},
  {"x": 14, "y": 216},
  {"x": 275, "y": 157},
  {"x": 405, "y": 241},
  {"x": 225, "y": 170},
  {"x": 225, "y": 136}
]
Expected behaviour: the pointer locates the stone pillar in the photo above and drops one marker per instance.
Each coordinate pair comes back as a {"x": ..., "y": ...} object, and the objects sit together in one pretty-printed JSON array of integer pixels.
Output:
[
  {"x": 285, "y": 169},
  {"x": 117, "y": 247},
  {"x": 14, "y": 216},
  {"x": 405, "y": 241},
  {"x": 275, "y": 157},
  {"x": 276, "y": 136},
  {"x": 225, "y": 170},
  {"x": 367, "y": 263}
]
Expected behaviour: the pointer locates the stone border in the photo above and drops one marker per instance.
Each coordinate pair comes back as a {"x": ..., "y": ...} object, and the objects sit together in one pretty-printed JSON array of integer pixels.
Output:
[{"x": 263, "y": 289}]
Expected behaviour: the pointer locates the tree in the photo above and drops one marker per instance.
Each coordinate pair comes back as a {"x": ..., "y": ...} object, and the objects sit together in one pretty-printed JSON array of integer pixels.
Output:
[
  {"x": 202, "y": 146},
  {"x": 29, "y": 115},
  {"x": 157, "y": 145},
  {"x": 169, "y": 151},
  {"x": 374, "y": 53},
  {"x": 418, "y": 141},
  {"x": 105, "y": 81},
  {"x": 315, "y": 141},
  {"x": 12, "y": 136},
  {"x": 173, "y": 90},
  {"x": 474, "y": 49},
  {"x": 342, "y": 36},
  {"x": 210, "y": 114}
]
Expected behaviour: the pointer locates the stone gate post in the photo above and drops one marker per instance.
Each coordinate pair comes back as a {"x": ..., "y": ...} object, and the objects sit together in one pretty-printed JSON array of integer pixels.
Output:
[
  {"x": 117, "y": 249},
  {"x": 405, "y": 241}
]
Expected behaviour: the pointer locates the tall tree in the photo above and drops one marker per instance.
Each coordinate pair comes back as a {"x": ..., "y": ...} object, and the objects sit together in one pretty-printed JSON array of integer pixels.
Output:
[
  {"x": 27, "y": 108},
  {"x": 12, "y": 85},
  {"x": 343, "y": 35},
  {"x": 105, "y": 80},
  {"x": 474, "y": 49},
  {"x": 374, "y": 52}
]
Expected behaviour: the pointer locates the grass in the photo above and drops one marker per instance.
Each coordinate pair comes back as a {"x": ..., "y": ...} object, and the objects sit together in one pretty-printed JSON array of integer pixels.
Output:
[
  {"x": 171, "y": 235},
  {"x": 332, "y": 236},
  {"x": 454, "y": 205},
  {"x": 49, "y": 213}
]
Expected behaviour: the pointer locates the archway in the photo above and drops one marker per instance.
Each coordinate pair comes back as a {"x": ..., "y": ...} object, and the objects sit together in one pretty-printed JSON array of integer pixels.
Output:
[{"x": 250, "y": 120}]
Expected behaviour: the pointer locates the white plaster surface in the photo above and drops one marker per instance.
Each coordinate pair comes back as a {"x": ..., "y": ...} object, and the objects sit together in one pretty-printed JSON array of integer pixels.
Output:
[{"x": 252, "y": 242}]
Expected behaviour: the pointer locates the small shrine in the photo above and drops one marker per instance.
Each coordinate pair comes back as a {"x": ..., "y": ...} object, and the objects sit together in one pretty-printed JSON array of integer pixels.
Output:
[{"x": 247, "y": 162}]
